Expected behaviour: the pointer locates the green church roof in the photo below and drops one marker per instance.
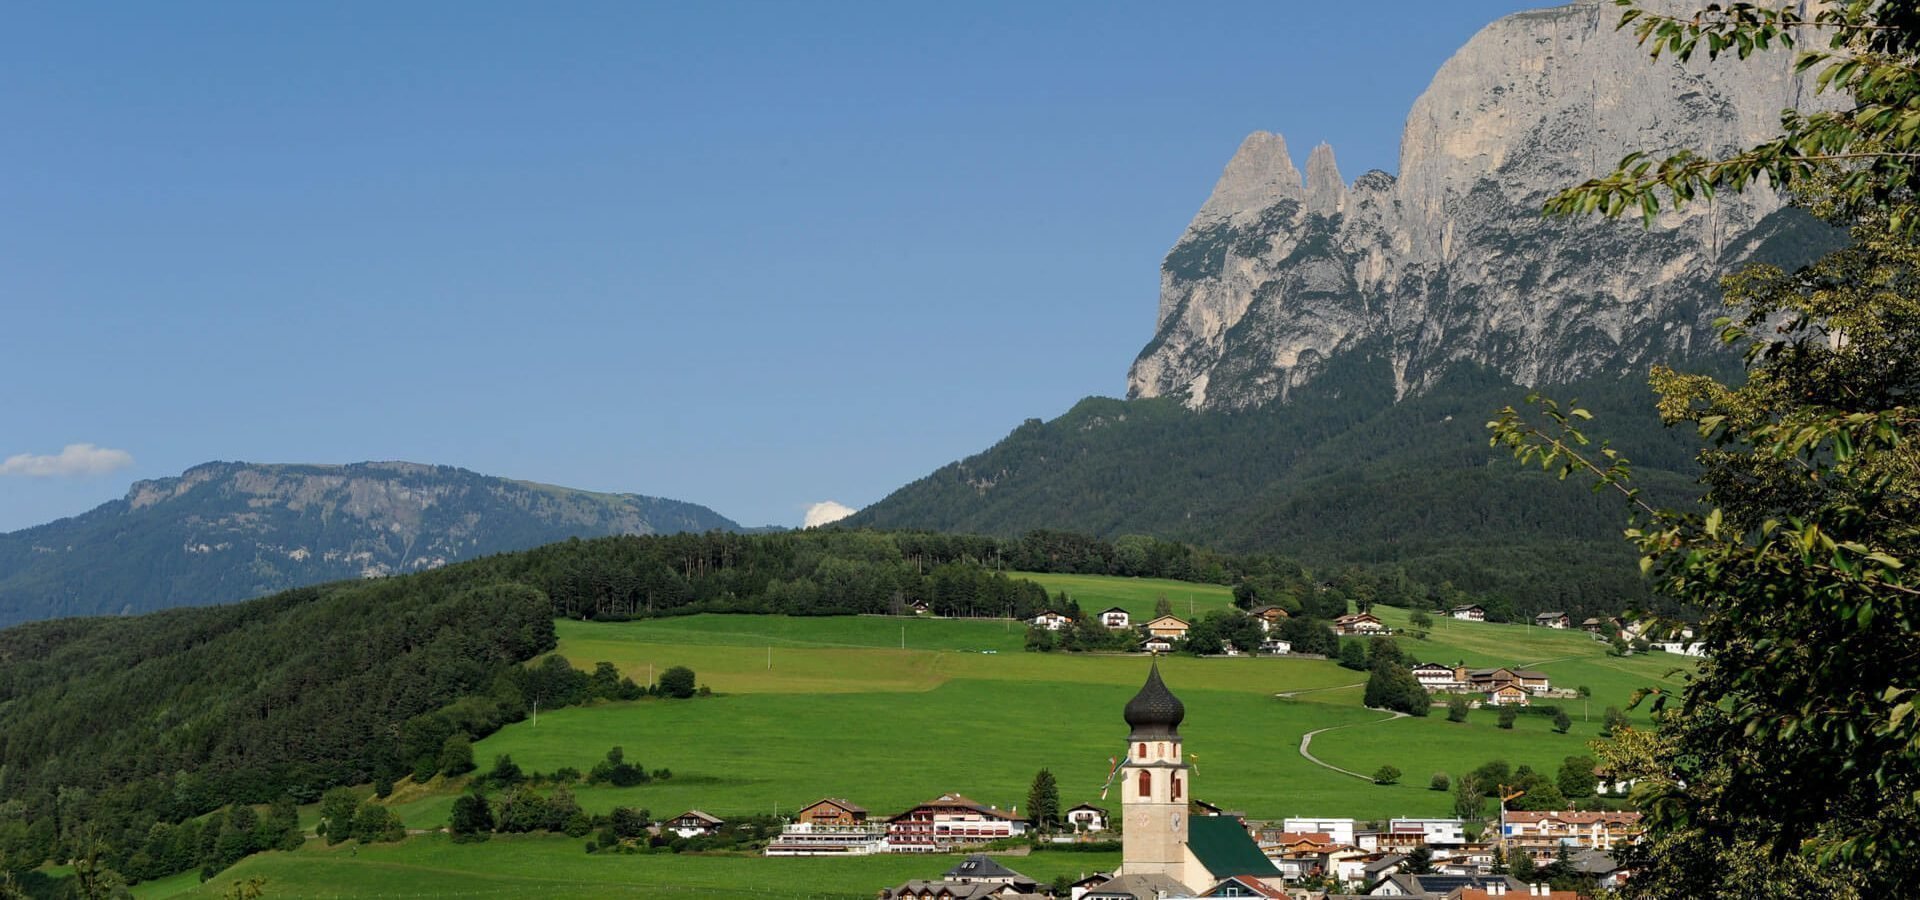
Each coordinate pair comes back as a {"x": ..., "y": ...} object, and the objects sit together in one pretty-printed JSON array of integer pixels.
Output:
[{"x": 1223, "y": 845}]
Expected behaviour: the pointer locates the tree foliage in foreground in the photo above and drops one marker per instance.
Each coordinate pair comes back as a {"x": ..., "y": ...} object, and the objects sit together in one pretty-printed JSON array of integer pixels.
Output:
[{"x": 1791, "y": 766}]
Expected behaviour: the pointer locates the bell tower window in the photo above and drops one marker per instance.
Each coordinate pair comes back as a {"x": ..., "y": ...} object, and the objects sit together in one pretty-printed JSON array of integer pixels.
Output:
[{"x": 1146, "y": 784}]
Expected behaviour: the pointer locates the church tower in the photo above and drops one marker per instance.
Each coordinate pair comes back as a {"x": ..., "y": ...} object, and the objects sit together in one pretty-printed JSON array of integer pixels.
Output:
[{"x": 1154, "y": 785}]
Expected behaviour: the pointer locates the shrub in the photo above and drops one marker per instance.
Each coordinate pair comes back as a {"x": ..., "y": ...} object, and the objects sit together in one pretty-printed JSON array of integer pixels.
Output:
[
  {"x": 1386, "y": 775},
  {"x": 1440, "y": 782}
]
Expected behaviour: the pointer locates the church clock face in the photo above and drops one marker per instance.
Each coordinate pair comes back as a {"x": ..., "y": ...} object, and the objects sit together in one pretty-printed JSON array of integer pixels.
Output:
[{"x": 1173, "y": 821}]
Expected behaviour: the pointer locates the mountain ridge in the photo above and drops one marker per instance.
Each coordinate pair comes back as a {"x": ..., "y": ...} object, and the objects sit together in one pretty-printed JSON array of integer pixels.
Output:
[{"x": 223, "y": 531}]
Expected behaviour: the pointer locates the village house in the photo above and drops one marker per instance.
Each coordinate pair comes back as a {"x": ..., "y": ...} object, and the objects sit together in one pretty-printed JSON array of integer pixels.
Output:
[
  {"x": 1497, "y": 891},
  {"x": 1275, "y": 646},
  {"x": 1433, "y": 832},
  {"x": 1157, "y": 645},
  {"x": 1359, "y": 623},
  {"x": 1171, "y": 627},
  {"x": 938, "y": 825},
  {"x": 830, "y": 827},
  {"x": 1270, "y": 616},
  {"x": 1051, "y": 621},
  {"x": 1542, "y": 834},
  {"x": 977, "y": 876},
  {"x": 1340, "y": 830},
  {"x": 1593, "y": 625},
  {"x": 1087, "y": 817},
  {"x": 1438, "y": 677},
  {"x": 1509, "y": 693},
  {"x": 1114, "y": 618},
  {"x": 693, "y": 823},
  {"x": 1244, "y": 886},
  {"x": 1472, "y": 613},
  {"x": 1488, "y": 679},
  {"x": 1431, "y": 886},
  {"x": 1554, "y": 619}
]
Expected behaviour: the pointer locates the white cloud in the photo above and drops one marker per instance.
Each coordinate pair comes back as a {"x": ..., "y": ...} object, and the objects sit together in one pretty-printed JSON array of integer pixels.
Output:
[
  {"x": 827, "y": 511},
  {"x": 75, "y": 459}
]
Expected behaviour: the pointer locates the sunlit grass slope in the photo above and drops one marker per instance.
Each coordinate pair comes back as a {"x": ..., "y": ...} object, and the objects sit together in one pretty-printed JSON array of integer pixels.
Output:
[
  {"x": 1135, "y": 595},
  {"x": 551, "y": 866}
]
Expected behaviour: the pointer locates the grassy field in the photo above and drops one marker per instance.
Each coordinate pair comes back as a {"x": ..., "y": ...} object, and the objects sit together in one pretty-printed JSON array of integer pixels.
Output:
[
  {"x": 1136, "y": 595},
  {"x": 811, "y": 707},
  {"x": 545, "y": 866}
]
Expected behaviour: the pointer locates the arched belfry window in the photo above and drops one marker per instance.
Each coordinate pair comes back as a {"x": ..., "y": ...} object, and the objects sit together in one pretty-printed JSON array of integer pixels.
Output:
[
  {"x": 1176, "y": 787},
  {"x": 1146, "y": 784},
  {"x": 1143, "y": 749}
]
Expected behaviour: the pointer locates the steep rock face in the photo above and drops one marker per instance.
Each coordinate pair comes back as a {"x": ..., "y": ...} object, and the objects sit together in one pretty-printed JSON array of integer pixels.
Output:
[
  {"x": 1452, "y": 261},
  {"x": 228, "y": 531}
]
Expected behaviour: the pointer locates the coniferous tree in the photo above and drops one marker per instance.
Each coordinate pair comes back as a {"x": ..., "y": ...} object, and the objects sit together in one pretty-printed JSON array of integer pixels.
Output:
[{"x": 1043, "y": 801}]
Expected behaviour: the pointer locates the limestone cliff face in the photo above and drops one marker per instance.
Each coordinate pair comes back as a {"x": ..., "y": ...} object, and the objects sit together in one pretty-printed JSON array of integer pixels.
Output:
[{"x": 1452, "y": 261}]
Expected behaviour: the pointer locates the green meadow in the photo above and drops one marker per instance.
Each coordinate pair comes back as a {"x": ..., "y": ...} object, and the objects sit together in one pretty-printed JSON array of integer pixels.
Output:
[
  {"x": 891, "y": 711},
  {"x": 1135, "y": 595},
  {"x": 554, "y": 866}
]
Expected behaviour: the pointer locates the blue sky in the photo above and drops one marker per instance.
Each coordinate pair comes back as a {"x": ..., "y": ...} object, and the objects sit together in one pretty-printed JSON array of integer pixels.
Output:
[{"x": 751, "y": 255}]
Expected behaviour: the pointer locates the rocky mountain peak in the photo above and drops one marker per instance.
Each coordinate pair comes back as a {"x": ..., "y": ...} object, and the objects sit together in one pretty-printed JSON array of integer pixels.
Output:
[
  {"x": 1259, "y": 175},
  {"x": 1450, "y": 261},
  {"x": 1326, "y": 192}
]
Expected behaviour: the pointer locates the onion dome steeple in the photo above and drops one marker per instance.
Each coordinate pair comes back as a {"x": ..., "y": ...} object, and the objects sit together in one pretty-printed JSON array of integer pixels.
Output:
[{"x": 1155, "y": 713}]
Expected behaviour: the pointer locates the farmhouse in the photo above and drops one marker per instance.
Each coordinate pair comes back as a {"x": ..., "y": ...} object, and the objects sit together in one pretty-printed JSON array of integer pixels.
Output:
[
  {"x": 937, "y": 825},
  {"x": 1087, "y": 817},
  {"x": 1554, "y": 619},
  {"x": 1358, "y": 623},
  {"x": 1509, "y": 693},
  {"x": 1595, "y": 625},
  {"x": 1270, "y": 616},
  {"x": 1170, "y": 627},
  {"x": 1157, "y": 645},
  {"x": 1488, "y": 679},
  {"x": 1051, "y": 621},
  {"x": 1114, "y": 617},
  {"x": 1437, "y": 677},
  {"x": 1275, "y": 646},
  {"x": 1473, "y": 613},
  {"x": 693, "y": 823}
]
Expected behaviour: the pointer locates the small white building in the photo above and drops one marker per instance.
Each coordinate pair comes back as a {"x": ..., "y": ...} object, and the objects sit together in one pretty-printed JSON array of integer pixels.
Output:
[
  {"x": 1115, "y": 618},
  {"x": 1434, "y": 832},
  {"x": 1341, "y": 830},
  {"x": 1087, "y": 817},
  {"x": 1276, "y": 646}
]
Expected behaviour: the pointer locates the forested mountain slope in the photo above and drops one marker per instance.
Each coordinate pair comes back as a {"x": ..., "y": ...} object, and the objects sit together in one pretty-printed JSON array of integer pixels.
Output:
[
  {"x": 226, "y": 531},
  {"x": 1342, "y": 475}
]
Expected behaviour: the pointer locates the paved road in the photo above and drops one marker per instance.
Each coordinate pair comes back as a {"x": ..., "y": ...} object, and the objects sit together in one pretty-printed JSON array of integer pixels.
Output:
[{"x": 1306, "y": 740}]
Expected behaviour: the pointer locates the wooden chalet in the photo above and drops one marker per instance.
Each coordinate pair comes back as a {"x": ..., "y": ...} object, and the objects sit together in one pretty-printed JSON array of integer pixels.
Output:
[
  {"x": 1115, "y": 618},
  {"x": 1051, "y": 621},
  {"x": 832, "y": 811},
  {"x": 1469, "y": 613},
  {"x": 693, "y": 823},
  {"x": 1553, "y": 619},
  {"x": 1270, "y": 616},
  {"x": 1359, "y": 623},
  {"x": 1171, "y": 627}
]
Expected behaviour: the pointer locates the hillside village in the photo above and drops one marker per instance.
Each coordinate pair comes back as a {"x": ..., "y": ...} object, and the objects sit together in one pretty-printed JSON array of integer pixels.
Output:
[{"x": 1177, "y": 846}]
